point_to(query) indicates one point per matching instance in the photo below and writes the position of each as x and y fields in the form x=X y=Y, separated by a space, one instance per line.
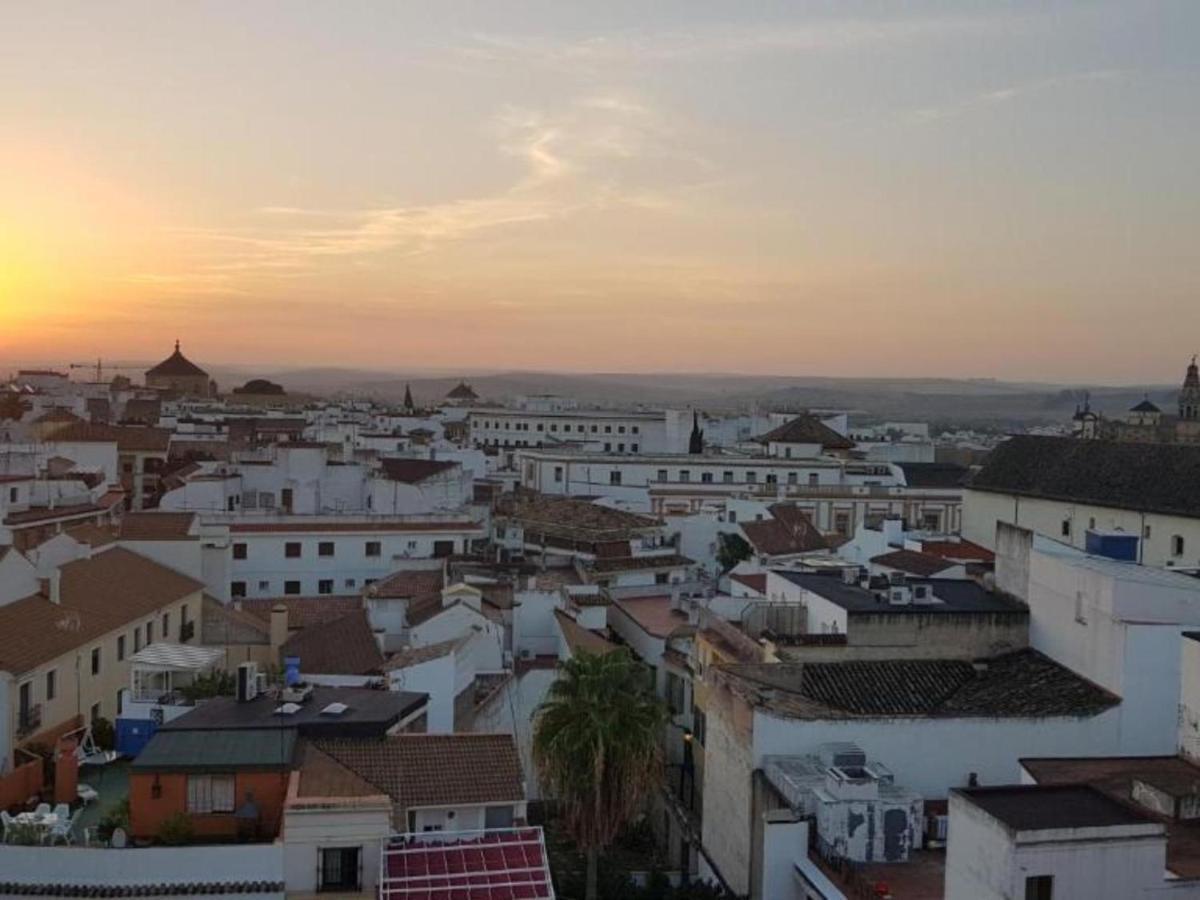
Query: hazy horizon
x=817 y=190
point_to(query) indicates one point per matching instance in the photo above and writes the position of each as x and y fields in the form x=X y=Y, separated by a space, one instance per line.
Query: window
x=813 y=479
x=633 y=448
x=608 y=448
x=1039 y=887
x=614 y=477
x=675 y=694
x=120 y=648
x=325 y=548
x=349 y=582
x=841 y=523
x=772 y=478
x=793 y=478
x=608 y=429
x=498 y=817
x=706 y=477
x=685 y=475
x=594 y=429
x=239 y=551
x=95 y=660
x=210 y=794
x=291 y=550
x=325 y=586
x=727 y=477
x=931 y=521
x=237 y=589
x=620 y=429
x=12 y=495
x=137 y=639
x=699 y=724
x=411 y=545
x=662 y=475
x=291 y=587
x=264 y=586
x=149 y=632
x=620 y=448
x=1066 y=528
x=635 y=430
x=51 y=678
x=1177 y=545
x=553 y=427
x=166 y=625
x=751 y=477
x=732 y=515
x=539 y=426
x=1092 y=522
x=558 y=474
x=662 y=577
x=1146 y=532
x=373 y=548
x=339 y=869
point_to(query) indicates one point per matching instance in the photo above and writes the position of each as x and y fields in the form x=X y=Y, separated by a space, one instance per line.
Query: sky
x=878 y=189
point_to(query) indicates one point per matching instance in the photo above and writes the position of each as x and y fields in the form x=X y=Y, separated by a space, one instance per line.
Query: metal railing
x=29 y=720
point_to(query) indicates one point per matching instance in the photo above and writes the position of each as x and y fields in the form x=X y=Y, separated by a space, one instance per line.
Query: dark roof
x=462 y=391
x=177 y=366
x=411 y=471
x=157 y=526
x=1022 y=684
x=214 y=750
x=934 y=474
x=1162 y=478
x=923 y=564
x=639 y=563
x=128 y=438
x=345 y=646
x=418 y=770
x=789 y=531
x=580 y=639
x=806 y=429
x=1040 y=807
x=371 y=713
x=571 y=518
x=1145 y=406
x=956 y=595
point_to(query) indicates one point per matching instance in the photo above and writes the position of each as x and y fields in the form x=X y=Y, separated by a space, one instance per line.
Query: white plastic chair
x=86 y=793
x=63 y=812
x=62 y=830
x=43 y=809
x=8 y=822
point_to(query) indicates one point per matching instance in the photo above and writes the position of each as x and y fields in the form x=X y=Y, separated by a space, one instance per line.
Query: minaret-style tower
x=696 y=441
x=1189 y=395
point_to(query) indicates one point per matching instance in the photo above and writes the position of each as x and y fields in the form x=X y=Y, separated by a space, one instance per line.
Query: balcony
x=29 y=720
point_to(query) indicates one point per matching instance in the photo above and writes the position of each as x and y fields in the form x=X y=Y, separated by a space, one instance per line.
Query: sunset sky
x=796 y=188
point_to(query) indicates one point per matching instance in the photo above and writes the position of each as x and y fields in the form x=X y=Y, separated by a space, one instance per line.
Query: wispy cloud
x=602 y=151
x=1007 y=94
x=727 y=41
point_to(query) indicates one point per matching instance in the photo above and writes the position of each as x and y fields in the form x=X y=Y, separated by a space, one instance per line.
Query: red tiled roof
x=157 y=526
x=46 y=514
x=807 y=429
x=924 y=564
x=505 y=864
x=967 y=551
x=345 y=646
x=581 y=639
x=653 y=614
x=409 y=583
x=130 y=438
x=319 y=527
x=754 y=582
x=304 y=611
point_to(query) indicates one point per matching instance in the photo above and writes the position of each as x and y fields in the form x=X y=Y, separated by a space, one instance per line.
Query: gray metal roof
x=216 y=750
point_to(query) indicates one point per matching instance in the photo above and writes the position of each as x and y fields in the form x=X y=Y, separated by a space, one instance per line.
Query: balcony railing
x=30 y=720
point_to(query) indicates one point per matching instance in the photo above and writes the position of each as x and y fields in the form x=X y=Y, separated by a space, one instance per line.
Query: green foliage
x=24 y=835
x=176 y=830
x=596 y=745
x=117 y=816
x=213 y=684
x=104 y=734
x=732 y=550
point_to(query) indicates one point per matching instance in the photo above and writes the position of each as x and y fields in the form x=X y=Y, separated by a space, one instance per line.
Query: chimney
x=53 y=587
x=279 y=626
x=381 y=639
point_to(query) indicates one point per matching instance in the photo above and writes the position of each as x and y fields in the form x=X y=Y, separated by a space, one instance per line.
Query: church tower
x=696 y=439
x=1189 y=395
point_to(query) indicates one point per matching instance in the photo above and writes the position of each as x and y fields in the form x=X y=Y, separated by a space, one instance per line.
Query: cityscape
x=553 y=452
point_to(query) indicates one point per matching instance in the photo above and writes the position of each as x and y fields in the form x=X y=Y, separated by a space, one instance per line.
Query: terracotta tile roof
x=129 y=438
x=226 y=624
x=157 y=526
x=177 y=366
x=790 y=531
x=418 y=655
x=93 y=535
x=806 y=429
x=965 y=551
x=912 y=562
x=418 y=770
x=1022 y=684
x=754 y=582
x=46 y=514
x=323 y=776
x=345 y=646
x=304 y=612
x=100 y=594
x=409 y=583
x=412 y=471
x=572 y=518
x=653 y=614
x=580 y=639
x=640 y=563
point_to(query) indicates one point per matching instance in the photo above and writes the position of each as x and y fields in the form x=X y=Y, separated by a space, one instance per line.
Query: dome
x=177 y=366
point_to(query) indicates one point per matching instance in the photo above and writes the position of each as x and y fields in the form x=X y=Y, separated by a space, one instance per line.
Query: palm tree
x=596 y=745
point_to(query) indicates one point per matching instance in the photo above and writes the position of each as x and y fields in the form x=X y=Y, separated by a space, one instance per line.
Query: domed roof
x=177 y=366
x=462 y=392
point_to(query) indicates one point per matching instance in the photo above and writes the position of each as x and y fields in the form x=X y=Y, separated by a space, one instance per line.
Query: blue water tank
x=291 y=670
x=1119 y=545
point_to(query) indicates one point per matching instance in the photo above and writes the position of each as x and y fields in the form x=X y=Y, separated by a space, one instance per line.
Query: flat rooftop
x=953 y=595
x=1115 y=776
x=368 y=712
x=1035 y=807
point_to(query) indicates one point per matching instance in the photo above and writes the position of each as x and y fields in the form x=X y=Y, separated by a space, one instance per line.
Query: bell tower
x=1189 y=395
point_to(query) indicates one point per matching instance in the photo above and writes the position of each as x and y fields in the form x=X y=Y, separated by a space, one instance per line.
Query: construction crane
x=101 y=367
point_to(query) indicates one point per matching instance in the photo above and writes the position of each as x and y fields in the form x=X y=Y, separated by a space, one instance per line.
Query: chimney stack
x=279 y=626
x=54 y=587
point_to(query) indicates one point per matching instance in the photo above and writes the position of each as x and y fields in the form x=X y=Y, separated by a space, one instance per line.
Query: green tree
x=732 y=550
x=596 y=746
